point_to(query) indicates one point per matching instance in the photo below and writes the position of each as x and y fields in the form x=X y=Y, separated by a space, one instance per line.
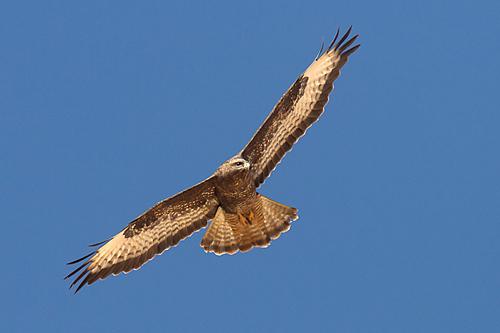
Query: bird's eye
x=238 y=163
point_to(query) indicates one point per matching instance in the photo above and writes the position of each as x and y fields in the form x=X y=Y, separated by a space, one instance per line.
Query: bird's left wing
x=158 y=229
x=298 y=109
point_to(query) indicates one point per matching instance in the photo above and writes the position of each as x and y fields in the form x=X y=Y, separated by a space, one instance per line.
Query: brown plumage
x=241 y=217
x=264 y=221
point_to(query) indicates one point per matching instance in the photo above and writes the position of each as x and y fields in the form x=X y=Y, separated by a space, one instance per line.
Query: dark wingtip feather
x=85 y=271
x=348 y=43
x=80 y=286
x=78 y=278
x=351 y=50
x=81 y=259
x=334 y=39
x=76 y=270
x=344 y=37
x=100 y=243
x=320 y=50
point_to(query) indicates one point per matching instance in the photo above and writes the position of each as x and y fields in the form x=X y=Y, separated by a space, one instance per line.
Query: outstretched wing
x=297 y=110
x=158 y=229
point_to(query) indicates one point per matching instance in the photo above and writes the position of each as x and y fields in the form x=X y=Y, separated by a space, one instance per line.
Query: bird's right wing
x=158 y=229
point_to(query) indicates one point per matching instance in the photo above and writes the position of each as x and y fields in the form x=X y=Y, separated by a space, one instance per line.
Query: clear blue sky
x=108 y=107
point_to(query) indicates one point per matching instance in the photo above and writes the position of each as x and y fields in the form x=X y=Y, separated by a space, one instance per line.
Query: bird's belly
x=236 y=200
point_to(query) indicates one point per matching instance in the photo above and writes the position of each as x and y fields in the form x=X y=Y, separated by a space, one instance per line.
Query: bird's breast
x=235 y=192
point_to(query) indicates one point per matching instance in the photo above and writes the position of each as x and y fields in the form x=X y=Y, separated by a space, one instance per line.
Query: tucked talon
x=242 y=219
x=251 y=217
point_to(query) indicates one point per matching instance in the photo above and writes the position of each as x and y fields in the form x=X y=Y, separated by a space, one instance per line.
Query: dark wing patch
x=255 y=152
x=287 y=102
x=158 y=229
x=297 y=110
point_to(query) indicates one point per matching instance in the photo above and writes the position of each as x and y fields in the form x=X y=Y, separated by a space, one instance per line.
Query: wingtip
x=320 y=50
x=80 y=259
x=351 y=50
x=100 y=243
x=344 y=37
x=340 y=44
x=334 y=39
x=79 y=287
x=348 y=43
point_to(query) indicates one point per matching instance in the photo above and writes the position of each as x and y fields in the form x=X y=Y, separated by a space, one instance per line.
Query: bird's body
x=240 y=217
x=244 y=218
x=234 y=185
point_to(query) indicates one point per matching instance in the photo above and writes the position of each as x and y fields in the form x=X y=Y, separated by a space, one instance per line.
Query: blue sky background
x=107 y=107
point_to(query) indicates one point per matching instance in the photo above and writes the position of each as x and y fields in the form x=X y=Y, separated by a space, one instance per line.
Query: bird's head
x=233 y=166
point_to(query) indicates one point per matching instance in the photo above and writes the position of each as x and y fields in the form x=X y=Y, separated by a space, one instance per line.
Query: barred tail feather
x=277 y=217
x=230 y=232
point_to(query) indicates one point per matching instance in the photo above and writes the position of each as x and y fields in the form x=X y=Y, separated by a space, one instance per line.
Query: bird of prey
x=241 y=218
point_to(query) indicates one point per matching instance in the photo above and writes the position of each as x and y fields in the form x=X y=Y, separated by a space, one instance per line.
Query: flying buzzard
x=241 y=217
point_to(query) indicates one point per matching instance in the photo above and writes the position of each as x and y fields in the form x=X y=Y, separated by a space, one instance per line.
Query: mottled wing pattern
x=158 y=229
x=297 y=110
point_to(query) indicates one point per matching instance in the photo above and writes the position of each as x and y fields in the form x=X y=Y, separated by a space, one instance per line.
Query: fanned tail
x=233 y=232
